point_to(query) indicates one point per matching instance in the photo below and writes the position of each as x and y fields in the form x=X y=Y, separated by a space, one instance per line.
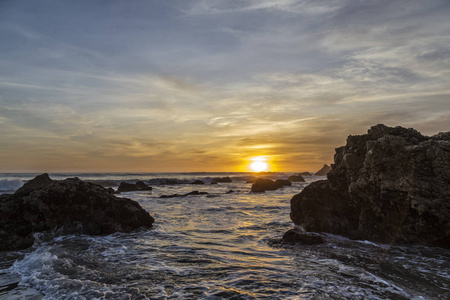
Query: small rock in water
x=294 y=236
x=296 y=178
x=130 y=187
x=261 y=185
x=197 y=182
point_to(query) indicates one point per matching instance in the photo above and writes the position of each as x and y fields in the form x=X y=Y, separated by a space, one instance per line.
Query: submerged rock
x=389 y=185
x=198 y=181
x=324 y=171
x=294 y=236
x=296 y=178
x=130 y=187
x=72 y=204
x=193 y=193
x=222 y=179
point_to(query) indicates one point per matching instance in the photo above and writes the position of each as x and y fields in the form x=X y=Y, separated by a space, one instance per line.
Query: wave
x=8 y=185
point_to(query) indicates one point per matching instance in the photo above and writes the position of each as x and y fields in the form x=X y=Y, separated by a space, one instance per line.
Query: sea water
x=221 y=245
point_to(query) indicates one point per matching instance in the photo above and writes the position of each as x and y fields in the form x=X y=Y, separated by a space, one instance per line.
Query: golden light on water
x=259 y=164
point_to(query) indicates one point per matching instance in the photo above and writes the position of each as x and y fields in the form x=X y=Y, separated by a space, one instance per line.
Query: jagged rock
x=324 y=171
x=261 y=185
x=305 y=174
x=130 y=187
x=222 y=179
x=389 y=185
x=72 y=204
x=36 y=183
x=197 y=182
x=294 y=236
x=296 y=178
x=193 y=193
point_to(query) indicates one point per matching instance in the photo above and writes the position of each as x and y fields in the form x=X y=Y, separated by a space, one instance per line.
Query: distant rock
x=324 y=171
x=193 y=193
x=197 y=182
x=305 y=174
x=261 y=185
x=222 y=179
x=389 y=185
x=130 y=187
x=283 y=182
x=72 y=205
x=296 y=178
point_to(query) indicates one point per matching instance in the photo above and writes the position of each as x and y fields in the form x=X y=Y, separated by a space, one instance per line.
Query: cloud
x=205 y=84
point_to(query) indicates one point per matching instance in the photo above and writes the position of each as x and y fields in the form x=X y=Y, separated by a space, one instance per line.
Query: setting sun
x=259 y=164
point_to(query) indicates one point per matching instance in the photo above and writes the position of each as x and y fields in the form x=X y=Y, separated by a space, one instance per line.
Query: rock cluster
x=389 y=185
x=43 y=204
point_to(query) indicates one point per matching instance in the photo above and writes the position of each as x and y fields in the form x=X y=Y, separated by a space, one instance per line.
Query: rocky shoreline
x=391 y=185
x=70 y=205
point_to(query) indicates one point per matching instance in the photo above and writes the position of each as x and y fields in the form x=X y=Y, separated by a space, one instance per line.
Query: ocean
x=220 y=245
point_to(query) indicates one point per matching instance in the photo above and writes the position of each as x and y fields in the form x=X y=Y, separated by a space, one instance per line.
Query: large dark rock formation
x=390 y=185
x=77 y=206
x=324 y=171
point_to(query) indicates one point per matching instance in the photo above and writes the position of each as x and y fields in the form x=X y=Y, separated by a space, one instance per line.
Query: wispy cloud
x=201 y=85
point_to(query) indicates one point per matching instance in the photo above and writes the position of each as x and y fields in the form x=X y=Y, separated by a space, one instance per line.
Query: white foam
x=7 y=185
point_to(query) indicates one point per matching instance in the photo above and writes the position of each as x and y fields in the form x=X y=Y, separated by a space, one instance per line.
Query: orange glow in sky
x=259 y=164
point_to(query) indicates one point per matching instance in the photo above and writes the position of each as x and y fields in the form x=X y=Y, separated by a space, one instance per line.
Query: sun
x=259 y=164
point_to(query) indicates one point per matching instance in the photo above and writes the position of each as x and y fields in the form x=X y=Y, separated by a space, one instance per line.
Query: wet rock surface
x=72 y=204
x=389 y=185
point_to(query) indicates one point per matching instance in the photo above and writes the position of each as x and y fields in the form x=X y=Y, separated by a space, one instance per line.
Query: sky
x=208 y=85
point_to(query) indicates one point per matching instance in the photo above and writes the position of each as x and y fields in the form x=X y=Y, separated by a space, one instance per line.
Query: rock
x=389 y=185
x=296 y=178
x=222 y=179
x=112 y=191
x=71 y=204
x=324 y=171
x=193 y=193
x=230 y=192
x=141 y=186
x=130 y=187
x=283 y=182
x=261 y=185
x=305 y=174
x=36 y=183
x=197 y=182
x=169 y=181
x=294 y=236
